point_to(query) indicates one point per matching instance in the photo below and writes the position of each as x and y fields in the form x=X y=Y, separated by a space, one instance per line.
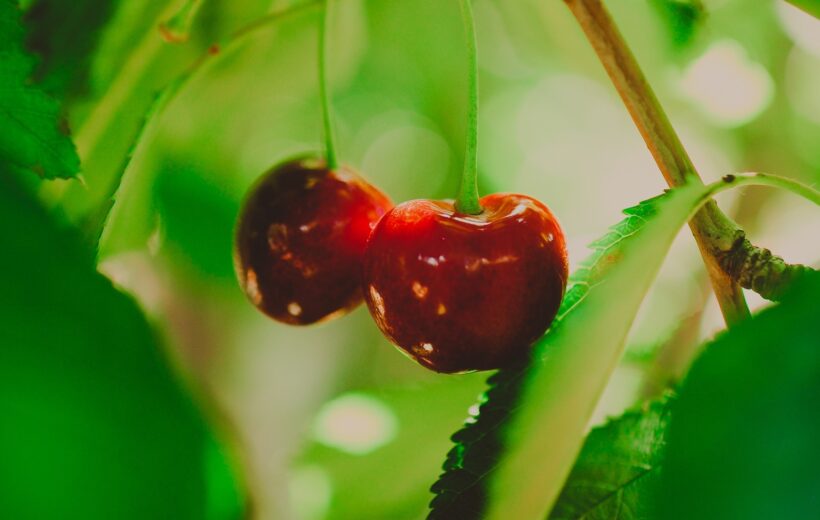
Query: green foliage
x=114 y=227
x=95 y=425
x=93 y=422
x=743 y=437
x=32 y=135
x=682 y=18
x=618 y=467
x=65 y=35
x=133 y=64
x=526 y=415
x=202 y=229
x=570 y=344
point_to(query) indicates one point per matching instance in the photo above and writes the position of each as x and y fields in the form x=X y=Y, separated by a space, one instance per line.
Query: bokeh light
x=729 y=87
x=355 y=423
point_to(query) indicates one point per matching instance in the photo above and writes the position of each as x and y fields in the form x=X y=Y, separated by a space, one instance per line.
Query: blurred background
x=331 y=421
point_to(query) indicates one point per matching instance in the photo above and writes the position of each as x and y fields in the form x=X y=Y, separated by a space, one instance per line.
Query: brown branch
x=713 y=231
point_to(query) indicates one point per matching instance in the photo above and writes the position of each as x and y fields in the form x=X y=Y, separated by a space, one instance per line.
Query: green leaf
x=114 y=223
x=573 y=359
x=810 y=6
x=114 y=137
x=743 y=439
x=65 y=35
x=618 y=468
x=539 y=412
x=681 y=17
x=95 y=425
x=31 y=126
x=132 y=64
x=197 y=219
x=121 y=224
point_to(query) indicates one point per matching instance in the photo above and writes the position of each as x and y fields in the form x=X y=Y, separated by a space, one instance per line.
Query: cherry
x=460 y=292
x=300 y=239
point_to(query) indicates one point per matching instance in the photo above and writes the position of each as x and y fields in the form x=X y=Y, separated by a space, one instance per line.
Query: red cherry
x=465 y=292
x=300 y=239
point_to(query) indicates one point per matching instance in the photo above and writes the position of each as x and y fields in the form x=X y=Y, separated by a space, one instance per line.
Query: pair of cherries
x=456 y=292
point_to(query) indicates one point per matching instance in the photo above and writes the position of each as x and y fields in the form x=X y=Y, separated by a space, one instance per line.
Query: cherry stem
x=330 y=138
x=467 y=199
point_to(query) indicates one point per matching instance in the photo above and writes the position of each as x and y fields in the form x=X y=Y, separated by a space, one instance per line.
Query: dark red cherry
x=300 y=239
x=465 y=292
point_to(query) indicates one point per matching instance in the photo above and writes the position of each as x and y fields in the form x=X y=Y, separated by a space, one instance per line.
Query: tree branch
x=729 y=258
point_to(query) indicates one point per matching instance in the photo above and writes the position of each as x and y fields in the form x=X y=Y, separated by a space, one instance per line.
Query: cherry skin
x=300 y=238
x=460 y=292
